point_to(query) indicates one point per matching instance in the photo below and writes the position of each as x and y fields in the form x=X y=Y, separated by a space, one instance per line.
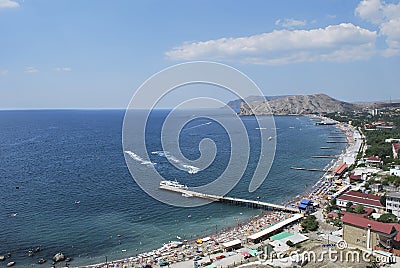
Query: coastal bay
x=57 y=158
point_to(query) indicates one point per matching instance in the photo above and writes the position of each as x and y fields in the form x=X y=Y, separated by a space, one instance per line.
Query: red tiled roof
x=341 y=169
x=396 y=146
x=397 y=237
x=361 y=198
x=332 y=215
x=360 y=221
x=374 y=159
x=355 y=177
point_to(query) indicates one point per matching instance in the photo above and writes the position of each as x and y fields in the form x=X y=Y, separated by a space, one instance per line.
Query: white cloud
x=8 y=4
x=63 y=69
x=387 y=17
x=31 y=70
x=290 y=23
x=3 y=72
x=343 y=42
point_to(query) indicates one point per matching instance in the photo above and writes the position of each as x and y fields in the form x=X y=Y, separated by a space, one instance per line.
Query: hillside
x=236 y=104
x=296 y=104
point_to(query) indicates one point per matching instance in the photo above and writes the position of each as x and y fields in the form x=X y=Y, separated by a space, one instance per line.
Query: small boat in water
x=187 y=195
x=326 y=123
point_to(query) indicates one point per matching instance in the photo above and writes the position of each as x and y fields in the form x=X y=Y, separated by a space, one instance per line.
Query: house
x=368 y=234
x=332 y=215
x=340 y=170
x=393 y=203
x=395 y=149
x=395 y=171
x=376 y=187
x=365 y=172
x=392 y=140
x=232 y=245
x=306 y=205
x=373 y=161
x=357 y=198
x=354 y=178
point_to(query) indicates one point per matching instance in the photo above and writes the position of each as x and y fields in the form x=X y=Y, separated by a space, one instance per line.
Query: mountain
x=296 y=104
x=236 y=104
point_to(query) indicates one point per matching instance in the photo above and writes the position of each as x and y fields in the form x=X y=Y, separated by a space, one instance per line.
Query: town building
x=393 y=203
x=369 y=234
x=376 y=187
x=395 y=171
x=392 y=140
x=340 y=170
x=373 y=161
x=395 y=149
x=357 y=198
x=306 y=205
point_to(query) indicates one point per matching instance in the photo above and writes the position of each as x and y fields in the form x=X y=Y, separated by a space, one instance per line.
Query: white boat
x=187 y=195
x=174 y=184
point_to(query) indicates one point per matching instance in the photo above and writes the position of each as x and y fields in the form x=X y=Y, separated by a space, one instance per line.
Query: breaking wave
x=200 y=125
x=188 y=168
x=139 y=159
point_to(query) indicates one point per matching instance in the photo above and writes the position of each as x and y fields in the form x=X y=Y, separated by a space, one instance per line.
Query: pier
x=324 y=156
x=311 y=169
x=230 y=200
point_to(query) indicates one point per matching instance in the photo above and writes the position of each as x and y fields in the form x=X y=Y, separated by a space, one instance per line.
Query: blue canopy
x=306 y=202
x=302 y=206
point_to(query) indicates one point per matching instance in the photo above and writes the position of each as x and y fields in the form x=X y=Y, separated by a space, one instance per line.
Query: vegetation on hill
x=391 y=180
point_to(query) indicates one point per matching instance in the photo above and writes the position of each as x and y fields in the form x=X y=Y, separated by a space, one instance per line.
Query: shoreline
x=265 y=217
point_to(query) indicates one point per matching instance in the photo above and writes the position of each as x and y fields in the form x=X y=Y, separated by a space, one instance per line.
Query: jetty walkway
x=230 y=200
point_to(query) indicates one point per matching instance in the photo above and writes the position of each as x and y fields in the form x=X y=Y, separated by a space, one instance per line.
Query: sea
x=65 y=185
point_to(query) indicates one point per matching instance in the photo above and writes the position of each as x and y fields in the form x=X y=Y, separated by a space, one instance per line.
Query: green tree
x=359 y=209
x=388 y=218
x=348 y=207
x=310 y=223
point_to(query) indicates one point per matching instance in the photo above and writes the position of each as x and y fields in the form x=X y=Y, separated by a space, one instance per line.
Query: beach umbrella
x=245 y=254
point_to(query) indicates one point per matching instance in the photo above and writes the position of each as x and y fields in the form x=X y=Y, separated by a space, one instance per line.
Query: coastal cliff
x=296 y=104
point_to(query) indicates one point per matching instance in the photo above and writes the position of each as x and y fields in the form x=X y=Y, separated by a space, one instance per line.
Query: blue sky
x=94 y=54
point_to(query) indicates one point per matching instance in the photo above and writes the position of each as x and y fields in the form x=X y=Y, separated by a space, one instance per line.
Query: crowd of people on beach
x=183 y=250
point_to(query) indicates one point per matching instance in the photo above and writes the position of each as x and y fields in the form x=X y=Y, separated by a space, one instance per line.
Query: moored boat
x=174 y=184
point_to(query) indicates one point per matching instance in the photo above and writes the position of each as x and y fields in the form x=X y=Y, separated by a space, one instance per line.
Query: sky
x=95 y=54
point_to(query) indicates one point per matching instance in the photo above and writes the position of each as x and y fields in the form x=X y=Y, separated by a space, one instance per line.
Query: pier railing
x=231 y=200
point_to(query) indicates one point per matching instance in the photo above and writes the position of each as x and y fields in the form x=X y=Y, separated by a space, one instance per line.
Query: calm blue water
x=59 y=157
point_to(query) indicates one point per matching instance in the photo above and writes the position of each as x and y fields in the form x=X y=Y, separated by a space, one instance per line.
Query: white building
x=395 y=171
x=392 y=140
x=393 y=203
